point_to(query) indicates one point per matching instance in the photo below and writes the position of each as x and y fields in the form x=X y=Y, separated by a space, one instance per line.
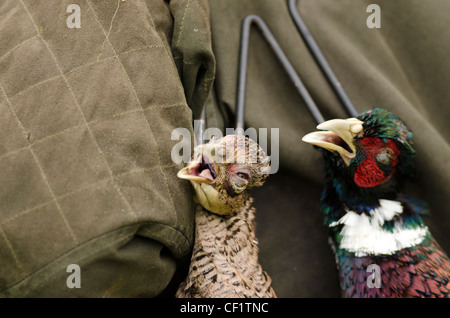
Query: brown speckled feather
x=224 y=261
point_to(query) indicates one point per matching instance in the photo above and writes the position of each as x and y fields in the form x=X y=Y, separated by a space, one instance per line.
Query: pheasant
x=375 y=231
x=224 y=261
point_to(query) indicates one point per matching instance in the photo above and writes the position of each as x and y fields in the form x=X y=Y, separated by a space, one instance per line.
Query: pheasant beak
x=337 y=135
x=201 y=170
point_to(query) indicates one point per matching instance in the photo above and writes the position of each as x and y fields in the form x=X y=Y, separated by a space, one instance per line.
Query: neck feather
x=383 y=230
x=225 y=257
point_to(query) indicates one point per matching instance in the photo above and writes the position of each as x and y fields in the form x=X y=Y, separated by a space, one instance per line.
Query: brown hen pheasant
x=224 y=261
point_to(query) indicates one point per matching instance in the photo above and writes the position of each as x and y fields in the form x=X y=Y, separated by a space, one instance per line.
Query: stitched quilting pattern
x=85 y=122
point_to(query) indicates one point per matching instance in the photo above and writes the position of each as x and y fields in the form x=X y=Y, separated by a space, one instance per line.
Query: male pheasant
x=374 y=229
x=224 y=262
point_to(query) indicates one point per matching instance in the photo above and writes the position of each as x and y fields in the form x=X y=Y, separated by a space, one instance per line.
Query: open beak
x=337 y=135
x=203 y=170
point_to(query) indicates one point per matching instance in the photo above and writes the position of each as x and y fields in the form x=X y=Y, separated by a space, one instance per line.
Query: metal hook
x=320 y=58
x=201 y=127
x=243 y=61
x=248 y=21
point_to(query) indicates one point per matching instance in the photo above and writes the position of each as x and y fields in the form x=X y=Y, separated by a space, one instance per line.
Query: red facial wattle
x=368 y=174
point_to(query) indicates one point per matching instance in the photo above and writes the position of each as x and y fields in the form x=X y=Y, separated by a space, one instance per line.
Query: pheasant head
x=224 y=170
x=367 y=157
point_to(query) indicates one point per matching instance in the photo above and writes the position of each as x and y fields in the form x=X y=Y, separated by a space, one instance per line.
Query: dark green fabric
x=402 y=67
x=192 y=51
x=85 y=149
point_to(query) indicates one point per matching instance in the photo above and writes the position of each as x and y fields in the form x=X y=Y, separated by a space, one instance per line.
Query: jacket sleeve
x=85 y=144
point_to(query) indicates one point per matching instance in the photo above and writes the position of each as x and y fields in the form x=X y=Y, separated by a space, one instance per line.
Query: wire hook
x=243 y=59
x=287 y=66
x=320 y=58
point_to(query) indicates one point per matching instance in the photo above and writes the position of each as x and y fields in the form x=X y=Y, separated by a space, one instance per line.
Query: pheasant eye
x=384 y=156
x=243 y=175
